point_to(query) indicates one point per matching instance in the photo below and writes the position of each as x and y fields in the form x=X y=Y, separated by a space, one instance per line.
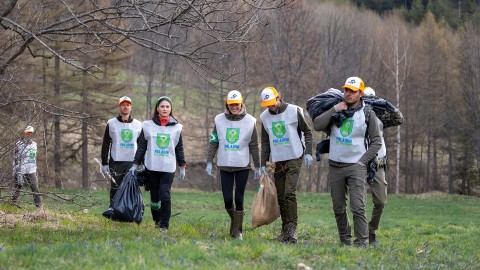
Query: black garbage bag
x=128 y=203
x=371 y=171
x=323 y=147
x=384 y=110
x=323 y=102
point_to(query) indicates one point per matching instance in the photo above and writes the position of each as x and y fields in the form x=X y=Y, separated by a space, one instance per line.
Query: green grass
x=433 y=231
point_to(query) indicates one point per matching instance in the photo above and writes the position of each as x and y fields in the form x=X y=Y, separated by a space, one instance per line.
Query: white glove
x=264 y=170
x=105 y=169
x=208 y=169
x=181 y=176
x=133 y=169
x=256 y=174
x=308 y=160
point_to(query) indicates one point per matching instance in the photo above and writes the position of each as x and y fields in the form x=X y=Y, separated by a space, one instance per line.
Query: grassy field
x=430 y=231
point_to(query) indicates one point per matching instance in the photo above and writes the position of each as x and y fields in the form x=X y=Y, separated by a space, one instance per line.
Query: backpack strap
x=367 y=109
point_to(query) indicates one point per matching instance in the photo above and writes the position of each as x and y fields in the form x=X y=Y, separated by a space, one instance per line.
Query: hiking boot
x=345 y=243
x=108 y=213
x=291 y=233
x=283 y=234
x=230 y=214
x=237 y=224
x=361 y=245
x=372 y=238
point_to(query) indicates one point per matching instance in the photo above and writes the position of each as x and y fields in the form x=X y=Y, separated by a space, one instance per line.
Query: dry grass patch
x=42 y=216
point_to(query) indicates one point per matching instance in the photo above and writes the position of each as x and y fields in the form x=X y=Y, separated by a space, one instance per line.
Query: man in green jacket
x=349 y=154
x=287 y=138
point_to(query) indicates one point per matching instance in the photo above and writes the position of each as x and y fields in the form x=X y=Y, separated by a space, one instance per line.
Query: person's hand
x=256 y=174
x=141 y=168
x=181 y=176
x=341 y=106
x=105 y=169
x=264 y=170
x=208 y=169
x=133 y=169
x=308 y=160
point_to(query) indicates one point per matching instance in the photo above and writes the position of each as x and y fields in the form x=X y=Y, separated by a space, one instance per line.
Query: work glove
x=141 y=168
x=133 y=169
x=208 y=169
x=264 y=170
x=256 y=174
x=181 y=176
x=308 y=160
x=105 y=169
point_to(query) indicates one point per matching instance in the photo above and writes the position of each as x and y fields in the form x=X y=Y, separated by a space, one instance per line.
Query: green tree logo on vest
x=32 y=155
x=163 y=140
x=347 y=127
x=278 y=128
x=127 y=135
x=232 y=135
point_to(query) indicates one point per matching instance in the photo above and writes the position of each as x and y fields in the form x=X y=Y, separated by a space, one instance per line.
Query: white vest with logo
x=26 y=157
x=347 y=143
x=383 y=150
x=285 y=143
x=233 y=140
x=124 y=139
x=161 y=143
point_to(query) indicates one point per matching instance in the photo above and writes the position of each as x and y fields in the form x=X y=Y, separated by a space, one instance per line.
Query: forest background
x=65 y=64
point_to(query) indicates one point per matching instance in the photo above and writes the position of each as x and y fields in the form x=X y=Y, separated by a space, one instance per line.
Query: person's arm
x=107 y=142
x=141 y=149
x=397 y=117
x=307 y=132
x=179 y=154
x=375 y=139
x=212 y=145
x=323 y=121
x=253 y=147
x=265 y=147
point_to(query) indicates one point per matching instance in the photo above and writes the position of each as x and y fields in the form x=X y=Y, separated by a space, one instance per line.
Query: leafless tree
x=394 y=54
x=191 y=27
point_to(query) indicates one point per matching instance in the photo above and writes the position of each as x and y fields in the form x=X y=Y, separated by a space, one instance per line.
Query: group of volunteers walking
x=155 y=148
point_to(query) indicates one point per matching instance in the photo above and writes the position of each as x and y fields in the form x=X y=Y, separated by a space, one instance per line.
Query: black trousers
x=160 y=199
x=229 y=180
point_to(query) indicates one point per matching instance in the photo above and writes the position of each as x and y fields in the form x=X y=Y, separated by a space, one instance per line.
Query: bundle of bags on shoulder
x=325 y=101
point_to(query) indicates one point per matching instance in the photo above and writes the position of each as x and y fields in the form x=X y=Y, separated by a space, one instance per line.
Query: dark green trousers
x=286 y=181
x=349 y=180
x=379 y=197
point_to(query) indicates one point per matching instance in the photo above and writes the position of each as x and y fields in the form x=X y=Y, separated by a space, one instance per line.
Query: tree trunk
x=85 y=183
x=56 y=129
x=451 y=189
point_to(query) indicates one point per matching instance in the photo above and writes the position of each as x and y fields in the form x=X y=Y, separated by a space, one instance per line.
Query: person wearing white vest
x=283 y=130
x=160 y=145
x=25 y=166
x=378 y=185
x=119 y=146
x=234 y=139
x=349 y=154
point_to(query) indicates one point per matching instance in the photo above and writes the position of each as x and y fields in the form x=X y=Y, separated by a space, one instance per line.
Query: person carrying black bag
x=160 y=145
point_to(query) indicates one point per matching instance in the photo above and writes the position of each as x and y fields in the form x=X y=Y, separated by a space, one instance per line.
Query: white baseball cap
x=124 y=99
x=369 y=91
x=234 y=97
x=354 y=84
x=269 y=96
x=28 y=129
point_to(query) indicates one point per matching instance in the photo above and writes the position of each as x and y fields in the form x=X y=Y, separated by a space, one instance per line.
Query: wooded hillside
x=64 y=64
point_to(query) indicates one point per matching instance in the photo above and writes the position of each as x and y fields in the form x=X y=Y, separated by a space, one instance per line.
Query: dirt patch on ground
x=43 y=216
